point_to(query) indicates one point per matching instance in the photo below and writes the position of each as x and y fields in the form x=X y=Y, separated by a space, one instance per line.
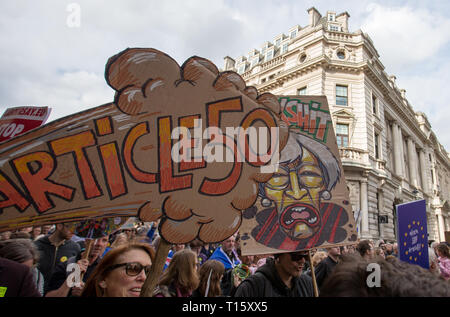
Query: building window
x=293 y=34
x=302 y=58
x=241 y=69
x=374 y=104
x=331 y=17
x=254 y=62
x=340 y=54
x=377 y=145
x=263 y=80
x=278 y=42
x=301 y=91
x=341 y=95
x=342 y=135
x=334 y=28
x=269 y=55
x=285 y=47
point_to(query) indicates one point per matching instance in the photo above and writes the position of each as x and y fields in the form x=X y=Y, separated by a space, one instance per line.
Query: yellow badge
x=63 y=259
x=3 y=291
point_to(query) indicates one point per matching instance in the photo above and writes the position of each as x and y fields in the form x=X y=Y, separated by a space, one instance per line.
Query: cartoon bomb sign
x=305 y=204
x=122 y=159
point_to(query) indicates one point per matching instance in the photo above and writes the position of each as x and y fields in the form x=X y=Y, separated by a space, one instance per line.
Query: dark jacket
x=16 y=280
x=266 y=282
x=50 y=256
x=60 y=273
x=323 y=270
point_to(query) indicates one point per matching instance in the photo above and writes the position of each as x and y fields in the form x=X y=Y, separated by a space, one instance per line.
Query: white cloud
x=404 y=36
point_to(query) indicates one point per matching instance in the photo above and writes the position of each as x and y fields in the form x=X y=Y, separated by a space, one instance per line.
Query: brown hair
x=182 y=271
x=363 y=246
x=397 y=279
x=18 y=250
x=216 y=269
x=92 y=288
x=443 y=250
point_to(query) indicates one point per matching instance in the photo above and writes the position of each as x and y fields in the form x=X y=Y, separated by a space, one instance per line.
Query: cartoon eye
x=278 y=182
x=310 y=178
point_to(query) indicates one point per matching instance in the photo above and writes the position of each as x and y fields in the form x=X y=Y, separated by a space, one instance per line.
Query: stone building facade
x=389 y=152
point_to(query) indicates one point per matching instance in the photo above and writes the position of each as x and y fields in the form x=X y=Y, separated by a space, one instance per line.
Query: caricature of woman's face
x=296 y=189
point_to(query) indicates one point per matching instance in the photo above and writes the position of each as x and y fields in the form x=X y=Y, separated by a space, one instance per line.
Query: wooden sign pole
x=156 y=269
x=85 y=255
x=313 y=275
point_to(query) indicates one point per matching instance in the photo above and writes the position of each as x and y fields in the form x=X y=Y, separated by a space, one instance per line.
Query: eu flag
x=412 y=233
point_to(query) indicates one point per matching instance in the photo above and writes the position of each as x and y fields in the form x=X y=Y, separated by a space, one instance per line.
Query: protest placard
x=305 y=204
x=413 y=233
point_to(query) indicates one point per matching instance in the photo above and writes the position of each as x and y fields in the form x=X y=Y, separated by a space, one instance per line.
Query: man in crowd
x=62 y=282
x=327 y=265
x=279 y=277
x=56 y=248
x=227 y=253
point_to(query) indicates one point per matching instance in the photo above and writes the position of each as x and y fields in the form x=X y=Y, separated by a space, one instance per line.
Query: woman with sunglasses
x=279 y=277
x=121 y=273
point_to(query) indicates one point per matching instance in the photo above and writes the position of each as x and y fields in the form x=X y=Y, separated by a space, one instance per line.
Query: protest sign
x=305 y=204
x=18 y=120
x=413 y=233
x=135 y=156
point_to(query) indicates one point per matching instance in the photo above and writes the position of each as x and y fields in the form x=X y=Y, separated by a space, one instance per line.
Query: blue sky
x=43 y=61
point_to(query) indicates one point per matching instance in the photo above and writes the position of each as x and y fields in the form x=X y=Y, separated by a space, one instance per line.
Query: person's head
x=121 y=273
x=46 y=229
x=211 y=271
x=318 y=257
x=307 y=173
x=245 y=259
x=196 y=246
x=397 y=279
x=178 y=247
x=20 y=235
x=388 y=247
x=229 y=244
x=433 y=246
x=19 y=250
x=380 y=252
x=65 y=231
x=365 y=249
x=290 y=264
x=334 y=252
x=36 y=231
x=395 y=247
x=442 y=250
x=98 y=247
x=182 y=271
x=26 y=229
x=5 y=235
x=120 y=239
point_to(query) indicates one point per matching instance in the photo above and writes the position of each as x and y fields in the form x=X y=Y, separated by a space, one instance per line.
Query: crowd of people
x=50 y=261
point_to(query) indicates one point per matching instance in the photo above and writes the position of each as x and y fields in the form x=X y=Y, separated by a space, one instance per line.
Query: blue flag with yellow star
x=413 y=233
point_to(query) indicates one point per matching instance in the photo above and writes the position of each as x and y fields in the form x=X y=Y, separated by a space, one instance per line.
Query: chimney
x=229 y=63
x=314 y=16
x=343 y=19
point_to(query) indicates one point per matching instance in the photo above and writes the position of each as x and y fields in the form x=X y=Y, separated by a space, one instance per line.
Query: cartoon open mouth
x=300 y=220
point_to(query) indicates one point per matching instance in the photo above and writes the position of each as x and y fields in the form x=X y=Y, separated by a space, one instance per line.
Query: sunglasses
x=132 y=268
x=298 y=256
